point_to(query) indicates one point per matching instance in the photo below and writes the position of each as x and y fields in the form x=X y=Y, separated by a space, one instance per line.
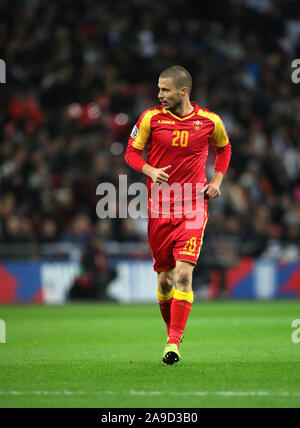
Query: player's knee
x=166 y=284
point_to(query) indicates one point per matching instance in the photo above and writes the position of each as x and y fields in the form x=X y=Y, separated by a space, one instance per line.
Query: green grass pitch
x=235 y=354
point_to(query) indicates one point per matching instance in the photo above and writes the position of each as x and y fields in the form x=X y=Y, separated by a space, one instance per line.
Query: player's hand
x=159 y=175
x=211 y=191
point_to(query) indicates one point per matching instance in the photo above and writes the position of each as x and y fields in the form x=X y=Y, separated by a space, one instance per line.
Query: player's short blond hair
x=180 y=76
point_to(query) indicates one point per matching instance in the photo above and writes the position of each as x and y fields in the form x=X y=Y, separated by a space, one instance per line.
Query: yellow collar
x=178 y=117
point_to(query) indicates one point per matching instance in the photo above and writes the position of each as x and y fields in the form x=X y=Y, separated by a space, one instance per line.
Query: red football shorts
x=174 y=239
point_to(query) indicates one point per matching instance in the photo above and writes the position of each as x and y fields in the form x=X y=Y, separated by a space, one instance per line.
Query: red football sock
x=180 y=310
x=165 y=303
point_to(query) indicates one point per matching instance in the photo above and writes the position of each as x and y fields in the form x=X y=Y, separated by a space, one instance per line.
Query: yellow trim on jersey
x=219 y=136
x=177 y=117
x=182 y=295
x=204 y=226
x=144 y=129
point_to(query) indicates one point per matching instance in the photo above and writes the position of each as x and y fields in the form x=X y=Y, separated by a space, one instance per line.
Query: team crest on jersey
x=134 y=132
x=197 y=125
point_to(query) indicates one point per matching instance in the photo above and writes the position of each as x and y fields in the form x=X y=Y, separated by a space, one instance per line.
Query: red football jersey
x=179 y=141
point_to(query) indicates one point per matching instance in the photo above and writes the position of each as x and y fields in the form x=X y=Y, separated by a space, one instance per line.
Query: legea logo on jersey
x=2 y=331
x=166 y=122
x=296 y=73
x=2 y=71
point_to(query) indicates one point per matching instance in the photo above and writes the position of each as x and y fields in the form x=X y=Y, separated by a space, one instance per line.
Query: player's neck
x=184 y=109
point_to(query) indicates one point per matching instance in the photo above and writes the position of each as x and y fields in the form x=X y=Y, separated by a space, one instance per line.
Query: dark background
x=80 y=73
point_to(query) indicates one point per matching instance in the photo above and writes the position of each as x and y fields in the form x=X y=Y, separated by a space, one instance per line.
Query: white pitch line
x=42 y=393
x=221 y=393
x=151 y=393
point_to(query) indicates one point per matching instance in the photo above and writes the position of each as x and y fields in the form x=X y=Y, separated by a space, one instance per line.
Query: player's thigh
x=161 y=243
x=184 y=275
x=166 y=281
x=187 y=247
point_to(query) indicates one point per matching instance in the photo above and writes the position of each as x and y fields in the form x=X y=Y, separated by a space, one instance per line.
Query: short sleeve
x=219 y=137
x=141 y=132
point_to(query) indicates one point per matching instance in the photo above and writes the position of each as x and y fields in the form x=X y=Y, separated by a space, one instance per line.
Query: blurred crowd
x=80 y=73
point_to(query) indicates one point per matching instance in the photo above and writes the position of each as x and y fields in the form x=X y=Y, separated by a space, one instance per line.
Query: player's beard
x=174 y=106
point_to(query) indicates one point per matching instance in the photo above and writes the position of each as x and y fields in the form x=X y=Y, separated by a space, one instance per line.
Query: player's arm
x=222 y=147
x=136 y=145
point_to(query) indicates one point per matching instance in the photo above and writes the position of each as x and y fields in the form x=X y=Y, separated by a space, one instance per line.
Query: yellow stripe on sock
x=168 y=296
x=182 y=295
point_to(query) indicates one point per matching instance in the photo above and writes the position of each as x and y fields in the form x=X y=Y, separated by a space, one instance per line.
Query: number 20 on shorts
x=191 y=243
x=180 y=138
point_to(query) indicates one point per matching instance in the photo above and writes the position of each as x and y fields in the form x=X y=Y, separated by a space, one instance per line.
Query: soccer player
x=177 y=134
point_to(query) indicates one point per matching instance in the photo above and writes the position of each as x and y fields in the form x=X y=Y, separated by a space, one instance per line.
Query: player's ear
x=184 y=91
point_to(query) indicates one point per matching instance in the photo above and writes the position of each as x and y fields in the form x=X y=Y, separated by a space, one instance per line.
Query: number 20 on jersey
x=180 y=138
